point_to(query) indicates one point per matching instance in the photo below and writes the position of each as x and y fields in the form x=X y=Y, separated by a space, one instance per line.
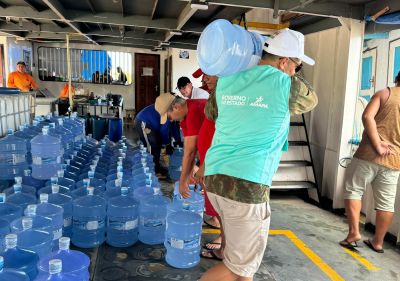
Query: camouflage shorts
x=237 y=189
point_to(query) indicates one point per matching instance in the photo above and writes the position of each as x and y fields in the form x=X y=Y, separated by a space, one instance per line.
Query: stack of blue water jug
x=74 y=189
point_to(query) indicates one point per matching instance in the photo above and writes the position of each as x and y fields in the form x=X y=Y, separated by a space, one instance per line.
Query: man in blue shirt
x=154 y=135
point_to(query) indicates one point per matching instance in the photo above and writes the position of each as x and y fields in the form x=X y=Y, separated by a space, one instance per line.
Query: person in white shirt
x=186 y=88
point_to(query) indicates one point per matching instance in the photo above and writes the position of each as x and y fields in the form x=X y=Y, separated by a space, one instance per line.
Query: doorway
x=147 y=80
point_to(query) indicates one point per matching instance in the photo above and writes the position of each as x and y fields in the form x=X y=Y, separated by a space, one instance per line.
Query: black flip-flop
x=213 y=243
x=349 y=245
x=210 y=225
x=212 y=256
x=369 y=244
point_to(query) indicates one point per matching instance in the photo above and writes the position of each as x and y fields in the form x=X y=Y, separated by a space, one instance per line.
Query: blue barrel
x=182 y=239
x=115 y=129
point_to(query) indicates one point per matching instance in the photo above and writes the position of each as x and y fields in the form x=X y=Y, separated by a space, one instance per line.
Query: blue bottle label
x=124 y=226
x=88 y=225
x=183 y=244
x=151 y=222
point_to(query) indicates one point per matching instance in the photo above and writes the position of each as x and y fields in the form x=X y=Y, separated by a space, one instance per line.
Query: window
x=91 y=66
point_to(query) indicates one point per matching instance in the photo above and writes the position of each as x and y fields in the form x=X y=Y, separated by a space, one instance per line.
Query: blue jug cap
x=148 y=175
x=52 y=125
x=21 y=127
x=156 y=190
x=17 y=188
x=86 y=182
x=45 y=130
x=54 y=180
x=11 y=241
x=35 y=123
x=10 y=131
x=27 y=173
x=185 y=205
x=1 y=262
x=60 y=121
x=120 y=175
x=44 y=198
x=30 y=210
x=2 y=198
x=64 y=243
x=148 y=182
x=60 y=173
x=27 y=223
x=68 y=161
x=124 y=190
x=118 y=182
x=55 y=188
x=90 y=190
x=18 y=180
x=91 y=174
x=55 y=266
x=92 y=168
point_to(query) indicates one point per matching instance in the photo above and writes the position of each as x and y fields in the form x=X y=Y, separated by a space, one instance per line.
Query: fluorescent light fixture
x=199 y=5
x=175 y=32
x=166 y=43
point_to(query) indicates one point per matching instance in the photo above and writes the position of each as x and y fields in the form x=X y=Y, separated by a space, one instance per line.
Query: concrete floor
x=302 y=245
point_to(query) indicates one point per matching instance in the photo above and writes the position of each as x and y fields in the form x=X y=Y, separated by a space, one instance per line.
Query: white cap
x=288 y=43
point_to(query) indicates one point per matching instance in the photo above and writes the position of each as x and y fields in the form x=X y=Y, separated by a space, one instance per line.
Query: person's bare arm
x=189 y=155
x=378 y=100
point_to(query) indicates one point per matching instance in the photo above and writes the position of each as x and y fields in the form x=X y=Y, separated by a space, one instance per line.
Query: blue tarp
x=393 y=18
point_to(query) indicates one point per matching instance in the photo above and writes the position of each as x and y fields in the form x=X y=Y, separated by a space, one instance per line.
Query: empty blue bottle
x=195 y=203
x=33 y=240
x=4 y=230
x=152 y=223
x=142 y=192
x=21 y=199
x=75 y=263
x=9 y=211
x=21 y=134
x=46 y=155
x=18 y=187
x=140 y=179
x=61 y=181
x=27 y=179
x=182 y=239
x=55 y=272
x=19 y=259
x=8 y=274
x=67 y=137
x=56 y=213
x=70 y=171
x=89 y=214
x=38 y=223
x=122 y=214
x=64 y=201
x=12 y=156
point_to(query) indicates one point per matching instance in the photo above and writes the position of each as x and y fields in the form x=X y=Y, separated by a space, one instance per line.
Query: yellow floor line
x=362 y=260
x=333 y=275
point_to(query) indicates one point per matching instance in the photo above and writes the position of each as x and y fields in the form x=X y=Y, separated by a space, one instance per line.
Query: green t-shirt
x=252 y=125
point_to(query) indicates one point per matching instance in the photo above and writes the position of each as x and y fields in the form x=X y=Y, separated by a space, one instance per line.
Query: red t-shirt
x=204 y=140
x=194 y=118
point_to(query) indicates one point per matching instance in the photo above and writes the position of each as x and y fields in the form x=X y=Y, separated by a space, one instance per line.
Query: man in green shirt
x=251 y=133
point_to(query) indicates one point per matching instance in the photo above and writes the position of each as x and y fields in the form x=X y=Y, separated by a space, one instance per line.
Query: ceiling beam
x=126 y=41
x=128 y=34
x=323 y=24
x=32 y=5
x=127 y=45
x=182 y=46
x=28 y=26
x=59 y=10
x=183 y=18
x=328 y=9
x=153 y=12
x=90 y=4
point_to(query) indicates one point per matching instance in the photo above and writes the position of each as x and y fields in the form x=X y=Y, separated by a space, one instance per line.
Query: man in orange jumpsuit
x=21 y=79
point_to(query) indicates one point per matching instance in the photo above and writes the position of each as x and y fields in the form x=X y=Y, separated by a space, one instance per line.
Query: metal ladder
x=296 y=169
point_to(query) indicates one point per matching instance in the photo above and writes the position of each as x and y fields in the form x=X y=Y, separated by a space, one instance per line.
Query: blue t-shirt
x=252 y=125
x=151 y=117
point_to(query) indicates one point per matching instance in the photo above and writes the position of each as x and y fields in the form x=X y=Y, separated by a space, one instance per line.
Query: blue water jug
x=46 y=155
x=115 y=129
x=55 y=272
x=224 y=49
x=8 y=274
x=152 y=223
x=67 y=137
x=75 y=263
x=70 y=171
x=36 y=223
x=4 y=230
x=82 y=191
x=23 y=135
x=144 y=191
x=9 y=211
x=140 y=179
x=20 y=188
x=21 y=199
x=12 y=156
x=56 y=213
x=195 y=202
x=61 y=181
x=33 y=240
x=27 y=179
x=89 y=214
x=64 y=201
x=175 y=164
x=123 y=216
x=117 y=183
x=19 y=259
x=91 y=181
x=182 y=239
x=49 y=189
